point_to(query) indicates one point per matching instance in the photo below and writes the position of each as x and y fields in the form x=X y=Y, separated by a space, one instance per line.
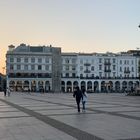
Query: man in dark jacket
x=78 y=96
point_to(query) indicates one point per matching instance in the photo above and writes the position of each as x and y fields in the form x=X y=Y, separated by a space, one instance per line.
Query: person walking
x=4 y=91
x=84 y=98
x=78 y=96
x=8 y=91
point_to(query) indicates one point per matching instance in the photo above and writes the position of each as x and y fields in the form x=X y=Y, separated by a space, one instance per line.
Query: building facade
x=47 y=69
x=2 y=82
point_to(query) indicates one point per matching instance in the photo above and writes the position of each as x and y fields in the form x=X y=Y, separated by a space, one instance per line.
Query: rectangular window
x=100 y=60
x=18 y=67
x=18 y=59
x=26 y=60
x=73 y=60
x=120 y=61
x=81 y=68
x=132 y=69
x=39 y=60
x=32 y=60
x=67 y=74
x=47 y=67
x=32 y=67
x=47 y=60
x=39 y=67
x=100 y=74
x=73 y=68
x=114 y=60
x=66 y=67
x=73 y=75
x=67 y=61
x=11 y=67
x=100 y=67
x=114 y=67
x=25 y=67
x=81 y=61
x=92 y=68
x=11 y=59
x=114 y=74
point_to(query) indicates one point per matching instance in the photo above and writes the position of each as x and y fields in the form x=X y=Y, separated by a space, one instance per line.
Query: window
x=32 y=60
x=132 y=62
x=132 y=69
x=11 y=67
x=67 y=68
x=100 y=74
x=114 y=60
x=39 y=67
x=81 y=75
x=81 y=68
x=92 y=68
x=73 y=75
x=100 y=60
x=39 y=60
x=67 y=61
x=114 y=67
x=47 y=67
x=67 y=74
x=47 y=60
x=11 y=59
x=73 y=60
x=81 y=61
x=25 y=67
x=18 y=67
x=100 y=67
x=26 y=60
x=114 y=74
x=120 y=69
x=32 y=67
x=73 y=68
x=18 y=59
x=120 y=61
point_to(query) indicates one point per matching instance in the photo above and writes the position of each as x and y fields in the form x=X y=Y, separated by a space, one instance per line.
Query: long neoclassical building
x=47 y=69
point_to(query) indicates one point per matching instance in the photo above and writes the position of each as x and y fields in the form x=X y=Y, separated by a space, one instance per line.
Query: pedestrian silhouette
x=78 y=96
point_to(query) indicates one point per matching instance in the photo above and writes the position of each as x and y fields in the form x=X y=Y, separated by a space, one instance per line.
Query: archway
x=69 y=86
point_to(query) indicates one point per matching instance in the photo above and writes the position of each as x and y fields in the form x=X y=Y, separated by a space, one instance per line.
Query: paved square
x=54 y=117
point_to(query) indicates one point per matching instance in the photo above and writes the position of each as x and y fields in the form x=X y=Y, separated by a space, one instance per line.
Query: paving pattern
x=54 y=117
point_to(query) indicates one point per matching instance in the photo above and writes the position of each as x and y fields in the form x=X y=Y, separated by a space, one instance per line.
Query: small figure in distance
x=5 y=91
x=78 y=96
x=8 y=91
x=84 y=98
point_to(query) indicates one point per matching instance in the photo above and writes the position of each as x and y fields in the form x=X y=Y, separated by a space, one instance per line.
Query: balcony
x=107 y=63
x=87 y=64
x=107 y=70
x=87 y=71
x=126 y=71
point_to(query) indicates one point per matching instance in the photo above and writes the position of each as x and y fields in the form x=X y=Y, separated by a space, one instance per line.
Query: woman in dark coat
x=78 y=96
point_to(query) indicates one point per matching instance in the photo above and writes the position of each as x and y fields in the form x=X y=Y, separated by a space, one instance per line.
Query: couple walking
x=78 y=95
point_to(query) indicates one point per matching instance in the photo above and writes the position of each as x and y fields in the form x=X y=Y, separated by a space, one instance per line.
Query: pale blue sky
x=73 y=25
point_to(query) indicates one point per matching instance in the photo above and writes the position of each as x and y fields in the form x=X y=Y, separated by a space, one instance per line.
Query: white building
x=46 y=69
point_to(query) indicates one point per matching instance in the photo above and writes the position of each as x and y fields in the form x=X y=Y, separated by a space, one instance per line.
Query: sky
x=74 y=25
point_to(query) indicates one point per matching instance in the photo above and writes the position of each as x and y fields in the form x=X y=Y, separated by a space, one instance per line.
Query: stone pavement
x=54 y=117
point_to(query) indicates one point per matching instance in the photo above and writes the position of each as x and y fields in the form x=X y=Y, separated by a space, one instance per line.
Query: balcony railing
x=107 y=63
x=107 y=70
x=87 y=64
x=87 y=71
x=126 y=71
